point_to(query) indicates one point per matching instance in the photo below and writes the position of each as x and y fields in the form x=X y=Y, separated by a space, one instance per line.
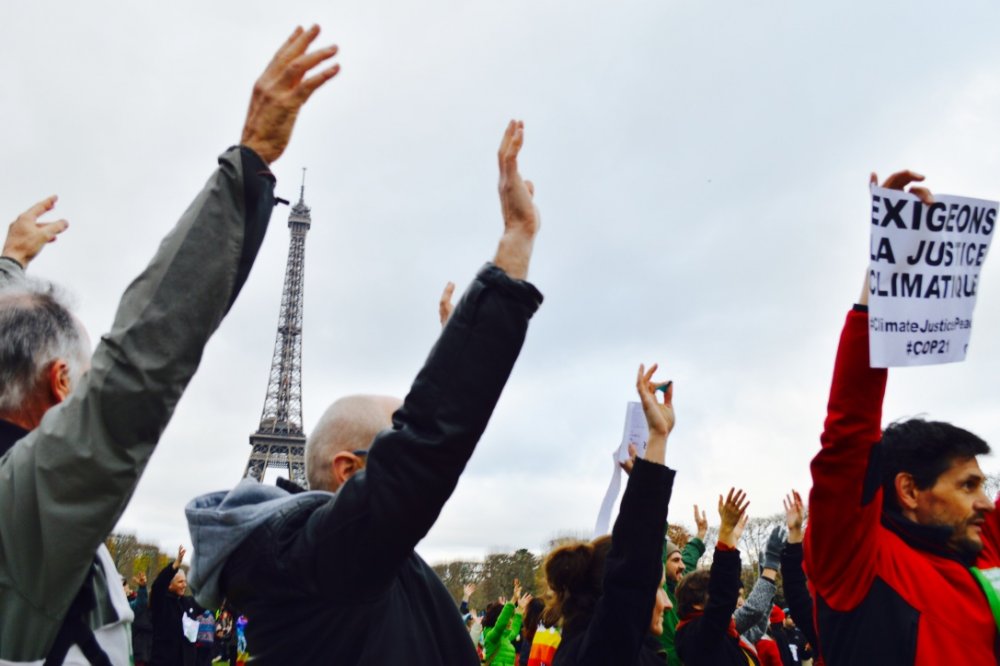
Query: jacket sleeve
x=493 y=635
x=757 y=609
x=64 y=486
x=515 y=627
x=633 y=569
x=141 y=600
x=723 y=588
x=358 y=542
x=800 y=602
x=691 y=553
x=158 y=590
x=10 y=272
x=842 y=509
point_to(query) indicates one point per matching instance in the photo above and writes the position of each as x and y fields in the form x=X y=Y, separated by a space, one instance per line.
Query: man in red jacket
x=896 y=521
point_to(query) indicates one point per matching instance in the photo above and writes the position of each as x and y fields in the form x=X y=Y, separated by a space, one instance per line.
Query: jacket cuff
x=14 y=261
x=520 y=290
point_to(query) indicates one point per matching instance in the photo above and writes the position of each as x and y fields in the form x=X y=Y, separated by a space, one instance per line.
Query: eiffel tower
x=280 y=441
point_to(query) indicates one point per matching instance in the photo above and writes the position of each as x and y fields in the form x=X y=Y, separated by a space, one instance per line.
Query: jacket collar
x=9 y=435
x=928 y=538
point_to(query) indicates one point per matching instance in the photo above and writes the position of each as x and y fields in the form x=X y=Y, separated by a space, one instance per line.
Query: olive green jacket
x=64 y=485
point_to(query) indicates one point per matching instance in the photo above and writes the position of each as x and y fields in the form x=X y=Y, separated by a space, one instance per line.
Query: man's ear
x=345 y=464
x=59 y=381
x=906 y=491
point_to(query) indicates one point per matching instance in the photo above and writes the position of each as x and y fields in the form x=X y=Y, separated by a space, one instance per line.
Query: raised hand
x=522 y=604
x=795 y=515
x=181 y=551
x=898 y=181
x=517 y=591
x=282 y=90
x=701 y=522
x=521 y=219
x=467 y=590
x=733 y=517
x=26 y=236
x=627 y=465
x=445 y=306
x=771 y=558
x=139 y=579
x=659 y=416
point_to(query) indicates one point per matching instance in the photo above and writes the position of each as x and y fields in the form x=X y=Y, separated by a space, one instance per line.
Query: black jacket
x=336 y=581
x=705 y=640
x=170 y=647
x=800 y=602
x=618 y=631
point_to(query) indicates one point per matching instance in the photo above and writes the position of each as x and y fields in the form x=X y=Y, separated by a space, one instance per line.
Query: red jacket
x=887 y=590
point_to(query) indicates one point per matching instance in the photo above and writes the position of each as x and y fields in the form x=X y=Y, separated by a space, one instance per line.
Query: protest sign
x=636 y=433
x=924 y=276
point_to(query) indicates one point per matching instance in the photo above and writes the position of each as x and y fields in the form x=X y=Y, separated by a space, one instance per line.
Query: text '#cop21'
x=972 y=222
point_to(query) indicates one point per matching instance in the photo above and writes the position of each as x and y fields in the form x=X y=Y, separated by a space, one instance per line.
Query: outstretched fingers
x=42 y=207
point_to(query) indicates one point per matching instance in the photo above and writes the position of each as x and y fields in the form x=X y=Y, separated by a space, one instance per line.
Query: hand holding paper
x=926 y=256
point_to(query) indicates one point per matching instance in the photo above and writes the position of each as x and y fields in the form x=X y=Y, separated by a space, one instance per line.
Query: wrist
x=701 y=535
x=514 y=253
x=795 y=536
x=727 y=538
x=769 y=574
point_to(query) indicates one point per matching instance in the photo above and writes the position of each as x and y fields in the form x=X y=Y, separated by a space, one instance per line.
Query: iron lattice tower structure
x=280 y=440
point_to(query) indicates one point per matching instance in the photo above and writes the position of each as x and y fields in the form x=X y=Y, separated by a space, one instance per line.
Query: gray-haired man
x=76 y=432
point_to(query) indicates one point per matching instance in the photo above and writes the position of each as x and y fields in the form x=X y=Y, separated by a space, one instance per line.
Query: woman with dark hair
x=501 y=626
x=532 y=617
x=609 y=592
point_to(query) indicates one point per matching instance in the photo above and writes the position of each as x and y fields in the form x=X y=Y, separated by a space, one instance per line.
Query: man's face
x=675 y=567
x=178 y=584
x=957 y=500
x=740 y=600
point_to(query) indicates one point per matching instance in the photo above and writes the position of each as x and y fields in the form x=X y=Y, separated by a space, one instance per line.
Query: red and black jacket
x=887 y=590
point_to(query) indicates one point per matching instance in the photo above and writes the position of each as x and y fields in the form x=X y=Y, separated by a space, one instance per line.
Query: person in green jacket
x=677 y=562
x=498 y=639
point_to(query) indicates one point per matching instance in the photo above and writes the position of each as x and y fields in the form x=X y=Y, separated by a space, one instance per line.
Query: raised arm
x=800 y=602
x=633 y=572
x=753 y=614
x=74 y=474
x=413 y=468
x=695 y=547
x=846 y=501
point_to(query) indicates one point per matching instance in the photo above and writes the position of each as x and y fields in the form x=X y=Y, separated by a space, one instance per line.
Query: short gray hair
x=349 y=424
x=36 y=328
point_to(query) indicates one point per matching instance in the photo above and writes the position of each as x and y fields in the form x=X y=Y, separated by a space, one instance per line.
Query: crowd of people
x=896 y=564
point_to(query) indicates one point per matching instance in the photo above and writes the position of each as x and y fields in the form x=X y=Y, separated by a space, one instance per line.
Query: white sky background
x=701 y=170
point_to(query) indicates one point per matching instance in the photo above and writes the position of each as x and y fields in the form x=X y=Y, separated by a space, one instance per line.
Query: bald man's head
x=349 y=424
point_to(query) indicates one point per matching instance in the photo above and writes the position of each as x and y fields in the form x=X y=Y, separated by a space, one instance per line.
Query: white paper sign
x=637 y=433
x=924 y=276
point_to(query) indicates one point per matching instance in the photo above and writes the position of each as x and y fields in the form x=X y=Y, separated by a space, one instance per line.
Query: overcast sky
x=701 y=168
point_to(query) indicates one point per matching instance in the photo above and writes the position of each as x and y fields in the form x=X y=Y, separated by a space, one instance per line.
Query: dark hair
x=492 y=613
x=924 y=449
x=531 y=618
x=575 y=577
x=692 y=591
